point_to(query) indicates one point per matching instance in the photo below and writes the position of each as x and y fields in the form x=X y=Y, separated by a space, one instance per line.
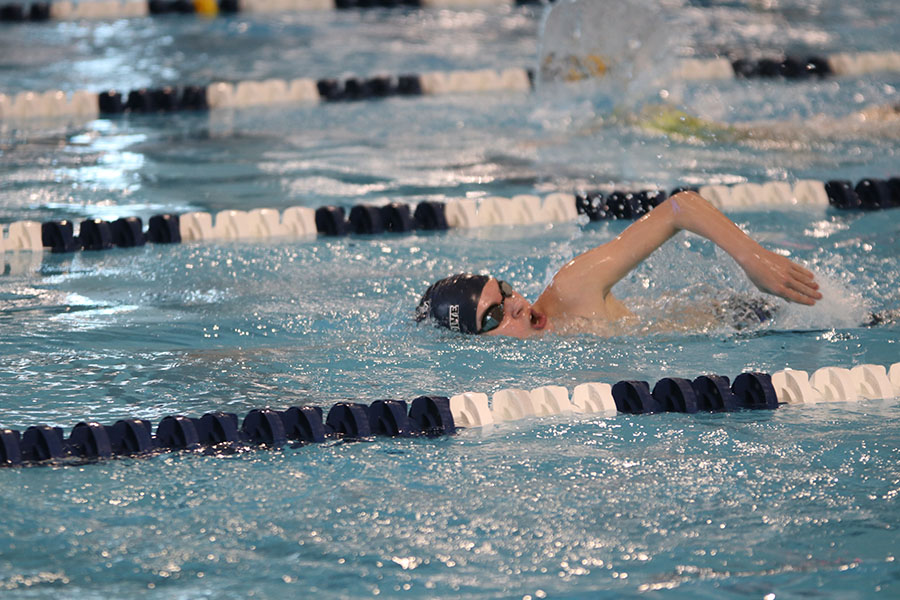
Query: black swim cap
x=453 y=302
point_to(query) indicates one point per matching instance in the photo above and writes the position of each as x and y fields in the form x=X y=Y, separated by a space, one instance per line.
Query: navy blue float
x=625 y=205
x=178 y=433
x=164 y=229
x=163 y=7
x=365 y=218
x=304 y=424
x=39 y=11
x=264 y=426
x=755 y=391
x=128 y=232
x=650 y=199
x=381 y=86
x=409 y=85
x=875 y=194
x=90 y=440
x=110 y=103
x=431 y=216
x=357 y=89
x=131 y=437
x=330 y=220
x=330 y=90
x=58 y=236
x=12 y=13
x=397 y=218
x=389 y=417
x=42 y=442
x=675 y=395
x=592 y=204
x=714 y=393
x=431 y=415
x=894 y=185
x=618 y=204
x=354 y=88
x=348 y=420
x=841 y=194
x=350 y=4
x=634 y=397
x=193 y=97
x=791 y=67
x=95 y=234
x=141 y=101
x=216 y=428
x=165 y=99
x=10 y=451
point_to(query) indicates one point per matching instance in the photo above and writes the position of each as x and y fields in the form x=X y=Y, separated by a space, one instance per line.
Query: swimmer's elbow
x=693 y=212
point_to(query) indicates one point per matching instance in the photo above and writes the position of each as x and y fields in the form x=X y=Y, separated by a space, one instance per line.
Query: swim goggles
x=494 y=314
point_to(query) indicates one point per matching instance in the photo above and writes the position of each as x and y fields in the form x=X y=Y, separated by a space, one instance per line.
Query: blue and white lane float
x=245 y=94
x=365 y=219
x=66 y=10
x=220 y=433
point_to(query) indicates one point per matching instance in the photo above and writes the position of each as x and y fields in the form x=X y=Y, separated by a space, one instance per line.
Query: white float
x=299 y=221
x=835 y=384
x=593 y=397
x=811 y=192
x=461 y=213
x=717 y=195
x=560 y=208
x=196 y=226
x=25 y=235
x=470 y=409
x=792 y=386
x=872 y=382
x=511 y=405
x=551 y=400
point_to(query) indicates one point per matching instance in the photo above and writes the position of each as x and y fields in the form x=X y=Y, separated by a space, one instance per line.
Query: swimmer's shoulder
x=580 y=310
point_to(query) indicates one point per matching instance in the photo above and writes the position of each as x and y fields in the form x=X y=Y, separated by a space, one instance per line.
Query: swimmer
x=580 y=294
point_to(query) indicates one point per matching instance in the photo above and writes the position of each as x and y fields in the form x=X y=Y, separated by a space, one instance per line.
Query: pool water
x=798 y=502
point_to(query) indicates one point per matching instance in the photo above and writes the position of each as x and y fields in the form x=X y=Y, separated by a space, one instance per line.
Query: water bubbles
x=625 y=56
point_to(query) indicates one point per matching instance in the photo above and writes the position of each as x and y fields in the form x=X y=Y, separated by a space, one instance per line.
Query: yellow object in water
x=585 y=67
x=595 y=65
x=672 y=121
x=573 y=68
x=209 y=8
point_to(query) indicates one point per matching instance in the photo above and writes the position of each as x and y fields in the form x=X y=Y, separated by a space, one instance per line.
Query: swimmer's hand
x=775 y=274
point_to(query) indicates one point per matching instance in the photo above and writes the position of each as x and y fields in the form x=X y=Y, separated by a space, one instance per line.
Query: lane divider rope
x=66 y=10
x=364 y=219
x=219 y=433
x=789 y=67
x=245 y=94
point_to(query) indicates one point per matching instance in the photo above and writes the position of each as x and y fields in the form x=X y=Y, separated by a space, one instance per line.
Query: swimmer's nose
x=516 y=307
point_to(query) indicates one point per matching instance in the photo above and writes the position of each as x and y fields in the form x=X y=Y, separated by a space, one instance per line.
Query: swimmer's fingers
x=802 y=291
x=804 y=274
x=778 y=275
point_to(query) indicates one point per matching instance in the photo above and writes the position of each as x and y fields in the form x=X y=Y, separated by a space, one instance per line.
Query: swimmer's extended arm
x=592 y=274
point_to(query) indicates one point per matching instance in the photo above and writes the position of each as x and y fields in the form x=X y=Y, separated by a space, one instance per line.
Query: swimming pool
x=798 y=501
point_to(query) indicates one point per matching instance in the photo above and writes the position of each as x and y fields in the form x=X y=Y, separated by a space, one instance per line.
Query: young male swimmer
x=580 y=293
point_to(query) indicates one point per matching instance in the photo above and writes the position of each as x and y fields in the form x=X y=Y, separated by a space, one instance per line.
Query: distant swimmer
x=579 y=297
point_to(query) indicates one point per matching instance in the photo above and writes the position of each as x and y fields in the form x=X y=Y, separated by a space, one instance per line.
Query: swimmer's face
x=519 y=318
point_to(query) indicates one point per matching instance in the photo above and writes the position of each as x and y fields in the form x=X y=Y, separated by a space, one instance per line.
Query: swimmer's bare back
x=581 y=290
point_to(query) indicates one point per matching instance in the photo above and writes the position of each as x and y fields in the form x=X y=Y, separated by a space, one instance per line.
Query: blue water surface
x=797 y=502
